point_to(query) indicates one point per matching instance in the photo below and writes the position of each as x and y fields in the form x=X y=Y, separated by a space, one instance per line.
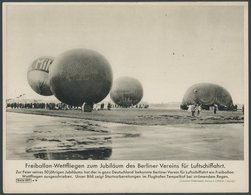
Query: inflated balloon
x=80 y=76
x=207 y=94
x=38 y=75
x=126 y=91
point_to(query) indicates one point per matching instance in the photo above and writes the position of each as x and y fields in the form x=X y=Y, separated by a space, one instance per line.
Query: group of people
x=197 y=109
x=63 y=106
x=194 y=108
x=50 y=106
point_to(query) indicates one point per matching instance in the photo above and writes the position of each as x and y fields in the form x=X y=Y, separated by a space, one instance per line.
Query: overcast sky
x=166 y=47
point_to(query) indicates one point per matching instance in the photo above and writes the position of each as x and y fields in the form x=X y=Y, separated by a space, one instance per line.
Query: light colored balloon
x=38 y=75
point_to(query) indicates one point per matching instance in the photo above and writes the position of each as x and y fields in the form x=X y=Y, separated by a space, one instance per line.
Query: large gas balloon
x=126 y=91
x=38 y=75
x=80 y=76
x=207 y=94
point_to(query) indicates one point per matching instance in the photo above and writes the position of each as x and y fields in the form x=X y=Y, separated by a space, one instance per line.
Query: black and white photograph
x=125 y=81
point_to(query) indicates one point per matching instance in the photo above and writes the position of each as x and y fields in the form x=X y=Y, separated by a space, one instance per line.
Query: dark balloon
x=126 y=91
x=38 y=75
x=80 y=75
x=207 y=94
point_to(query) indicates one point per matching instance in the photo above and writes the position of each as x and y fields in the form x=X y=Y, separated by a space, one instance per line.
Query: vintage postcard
x=125 y=97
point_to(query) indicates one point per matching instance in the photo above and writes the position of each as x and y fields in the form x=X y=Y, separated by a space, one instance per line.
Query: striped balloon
x=38 y=74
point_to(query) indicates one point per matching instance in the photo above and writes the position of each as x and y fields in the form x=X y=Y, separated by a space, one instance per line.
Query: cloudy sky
x=168 y=47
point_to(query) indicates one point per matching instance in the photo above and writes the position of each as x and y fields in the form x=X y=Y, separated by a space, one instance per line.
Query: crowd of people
x=63 y=106
x=50 y=106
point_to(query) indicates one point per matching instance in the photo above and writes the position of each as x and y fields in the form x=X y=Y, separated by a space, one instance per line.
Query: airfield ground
x=143 y=116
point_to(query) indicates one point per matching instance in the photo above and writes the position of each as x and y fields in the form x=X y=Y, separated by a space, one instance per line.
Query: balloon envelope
x=207 y=94
x=126 y=91
x=38 y=75
x=80 y=75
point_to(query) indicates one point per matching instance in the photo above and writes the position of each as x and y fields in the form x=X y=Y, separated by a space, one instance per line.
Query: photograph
x=125 y=81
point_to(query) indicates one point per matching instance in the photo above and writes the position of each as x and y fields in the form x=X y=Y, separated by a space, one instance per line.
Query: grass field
x=143 y=116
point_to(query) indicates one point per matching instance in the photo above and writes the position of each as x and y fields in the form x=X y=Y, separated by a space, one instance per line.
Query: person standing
x=189 y=109
x=193 y=109
x=215 y=108
x=199 y=108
